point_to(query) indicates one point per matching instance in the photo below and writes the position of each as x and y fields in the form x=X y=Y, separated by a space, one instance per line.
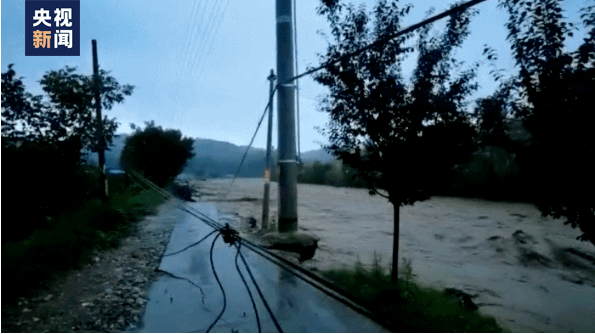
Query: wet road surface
x=187 y=298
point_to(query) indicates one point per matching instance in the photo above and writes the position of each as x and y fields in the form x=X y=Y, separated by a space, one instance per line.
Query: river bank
x=527 y=271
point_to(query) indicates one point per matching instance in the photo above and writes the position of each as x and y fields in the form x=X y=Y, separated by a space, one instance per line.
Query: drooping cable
x=248 y=289
x=218 y=282
x=213 y=35
x=303 y=274
x=251 y=141
x=192 y=245
x=382 y=41
x=196 y=37
x=197 y=214
x=266 y=305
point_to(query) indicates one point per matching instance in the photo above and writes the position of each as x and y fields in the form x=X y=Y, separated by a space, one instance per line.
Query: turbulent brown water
x=527 y=271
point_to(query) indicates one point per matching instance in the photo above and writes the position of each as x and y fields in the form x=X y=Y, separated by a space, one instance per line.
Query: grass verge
x=409 y=307
x=70 y=239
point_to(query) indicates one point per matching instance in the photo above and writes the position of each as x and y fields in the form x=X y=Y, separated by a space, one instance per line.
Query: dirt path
x=108 y=295
x=527 y=271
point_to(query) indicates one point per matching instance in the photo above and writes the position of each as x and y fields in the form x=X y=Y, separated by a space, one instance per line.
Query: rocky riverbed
x=108 y=295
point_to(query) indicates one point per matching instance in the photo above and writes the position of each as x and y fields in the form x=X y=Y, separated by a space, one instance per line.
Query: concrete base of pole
x=303 y=244
x=287 y=225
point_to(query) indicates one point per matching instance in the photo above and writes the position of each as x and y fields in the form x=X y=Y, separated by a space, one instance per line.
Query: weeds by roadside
x=409 y=307
x=70 y=239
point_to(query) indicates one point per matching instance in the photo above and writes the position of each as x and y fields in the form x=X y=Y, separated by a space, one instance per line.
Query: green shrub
x=407 y=306
x=70 y=239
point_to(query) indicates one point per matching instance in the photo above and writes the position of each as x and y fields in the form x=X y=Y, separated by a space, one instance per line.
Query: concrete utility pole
x=100 y=149
x=267 y=173
x=288 y=221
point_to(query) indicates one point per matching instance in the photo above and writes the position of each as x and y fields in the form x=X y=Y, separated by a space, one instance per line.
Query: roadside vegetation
x=54 y=212
x=407 y=306
x=69 y=238
x=414 y=135
x=490 y=173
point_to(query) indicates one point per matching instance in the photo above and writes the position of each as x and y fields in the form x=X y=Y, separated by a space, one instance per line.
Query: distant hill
x=316 y=155
x=213 y=158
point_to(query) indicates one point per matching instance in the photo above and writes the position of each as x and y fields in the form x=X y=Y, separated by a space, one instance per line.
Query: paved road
x=188 y=298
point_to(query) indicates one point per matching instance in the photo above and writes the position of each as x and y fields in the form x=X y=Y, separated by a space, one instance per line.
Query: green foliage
x=157 y=153
x=491 y=173
x=408 y=307
x=399 y=136
x=333 y=174
x=553 y=97
x=402 y=137
x=70 y=239
x=36 y=194
x=68 y=111
x=21 y=110
x=43 y=141
x=52 y=217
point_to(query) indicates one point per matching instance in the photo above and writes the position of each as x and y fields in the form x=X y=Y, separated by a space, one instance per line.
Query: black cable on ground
x=194 y=244
x=266 y=305
x=320 y=283
x=248 y=289
x=220 y=285
x=308 y=277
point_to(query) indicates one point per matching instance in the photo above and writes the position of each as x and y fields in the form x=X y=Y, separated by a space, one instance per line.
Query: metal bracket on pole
x=284 y=18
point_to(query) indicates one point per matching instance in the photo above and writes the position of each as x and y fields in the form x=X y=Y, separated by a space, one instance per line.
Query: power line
x=218 y=282
x=196 y=37
x=388 y=38
x=249 y=292
x=213 y=36
x=199 y=46
x=308 y=277
x=266 y=305
x=251 y=141
x=191 y=29
x=192 y=245
x=303 y=274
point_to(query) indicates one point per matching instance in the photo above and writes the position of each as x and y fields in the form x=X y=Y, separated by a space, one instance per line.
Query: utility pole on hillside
x=286 y=119
x=101 y=141
x=267 y=173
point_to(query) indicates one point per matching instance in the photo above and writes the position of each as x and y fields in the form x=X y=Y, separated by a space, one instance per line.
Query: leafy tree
x=21 y=111
x=554 y=90
x=402 y=137
x=51 y=133
x=491 y=113
x=68 y=111
x=160 y=154
x=72 y=97
x=42 y=180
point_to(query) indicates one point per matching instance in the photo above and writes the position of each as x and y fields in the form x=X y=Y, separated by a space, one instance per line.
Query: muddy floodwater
x=528 y=272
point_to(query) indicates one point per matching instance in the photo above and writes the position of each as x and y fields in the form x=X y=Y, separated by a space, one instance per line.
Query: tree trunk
x=395 y=267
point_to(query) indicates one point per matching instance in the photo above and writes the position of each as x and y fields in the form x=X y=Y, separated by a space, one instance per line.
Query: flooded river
x=527 y=271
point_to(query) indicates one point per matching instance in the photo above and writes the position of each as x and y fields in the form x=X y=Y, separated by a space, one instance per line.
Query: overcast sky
x=201 y=66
